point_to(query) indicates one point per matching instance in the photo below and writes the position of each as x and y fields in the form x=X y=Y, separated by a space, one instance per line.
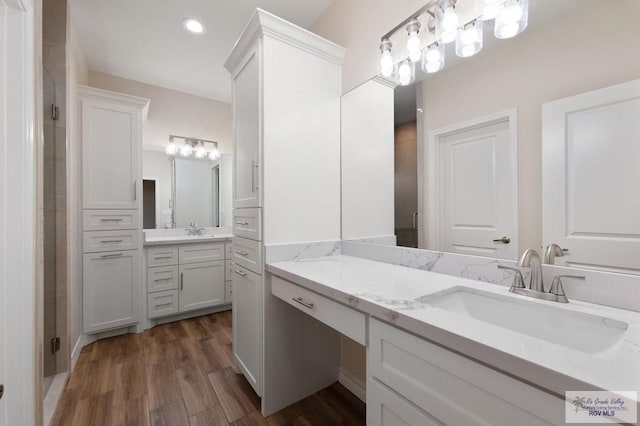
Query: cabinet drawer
x=98 y=241
x=228 y=270
x=387 y=408
x=108 y=220
x=194 y=253
x=452 y=388
x=346 y=320
x=247 y=223
x=248 y=254
x=162 y=303
x=228 y=286
x=161 y=278
x=162 y=256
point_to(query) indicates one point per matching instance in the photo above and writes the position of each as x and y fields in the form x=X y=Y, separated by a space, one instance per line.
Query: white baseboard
x=353 y=385
x=83 y=340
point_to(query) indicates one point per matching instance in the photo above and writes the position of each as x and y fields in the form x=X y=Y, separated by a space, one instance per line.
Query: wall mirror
x=534 y=140
x=178 y=191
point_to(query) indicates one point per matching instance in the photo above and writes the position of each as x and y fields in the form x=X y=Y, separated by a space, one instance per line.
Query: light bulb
x=433 y=60
x=449 y=21
x=214 y=154
x=405 y=73
x=185 y=151
x=200 y=152
x=469 y=39
x=512 y=19
x=386 y=64
x=413 y=46
x=490 y=9
x=171 y=149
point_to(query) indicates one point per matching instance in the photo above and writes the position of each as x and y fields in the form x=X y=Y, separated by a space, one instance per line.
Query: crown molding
x=384 y=81
x=135 y=101
x=263 y=23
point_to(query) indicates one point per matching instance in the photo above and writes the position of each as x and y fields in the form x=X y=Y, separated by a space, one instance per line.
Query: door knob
x=503 y=240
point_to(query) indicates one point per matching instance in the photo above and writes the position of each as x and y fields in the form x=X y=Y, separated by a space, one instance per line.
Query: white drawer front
x=162 y=303
x=208 y=252
x=346 y=320
x=228 y=251
x=387 y=408
x=452 y=388
x=99 y=241
x=247 y=223
x=229 y=291
x=162 y=278
x=248 y=254
x=228 y=270
x=107 y=220
x=162 y=256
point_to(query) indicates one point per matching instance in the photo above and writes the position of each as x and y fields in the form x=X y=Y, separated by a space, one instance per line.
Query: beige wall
x=172 y=112
x=588 y=49
x=78 y=73
x=358 y=25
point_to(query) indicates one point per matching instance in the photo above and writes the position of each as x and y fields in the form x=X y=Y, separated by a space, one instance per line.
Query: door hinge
x=55 y=345
x=55 y=112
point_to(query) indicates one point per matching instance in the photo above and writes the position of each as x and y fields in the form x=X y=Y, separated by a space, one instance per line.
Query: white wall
x=368 y=162
x=78 y=73
x=172 y=112
x=590 y=48
x=358 y=25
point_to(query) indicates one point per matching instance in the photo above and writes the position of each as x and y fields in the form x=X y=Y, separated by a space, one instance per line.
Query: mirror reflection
x=539 y=147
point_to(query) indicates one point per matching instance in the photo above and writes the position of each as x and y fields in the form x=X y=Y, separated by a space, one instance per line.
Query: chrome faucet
x=194 y=230
x=531 y=259
x=551 y=252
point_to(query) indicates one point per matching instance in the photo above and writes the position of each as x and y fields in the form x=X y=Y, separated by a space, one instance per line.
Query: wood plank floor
x=180 y=374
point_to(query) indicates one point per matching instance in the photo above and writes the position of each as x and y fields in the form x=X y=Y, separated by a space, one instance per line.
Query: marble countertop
x=389 y=292
x=185 y=239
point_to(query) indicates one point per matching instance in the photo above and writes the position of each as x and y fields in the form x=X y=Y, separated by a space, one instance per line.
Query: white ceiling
x=144 y=40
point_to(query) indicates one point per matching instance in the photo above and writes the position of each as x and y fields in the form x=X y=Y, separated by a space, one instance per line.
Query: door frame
x=433 y=209
x=20 y=212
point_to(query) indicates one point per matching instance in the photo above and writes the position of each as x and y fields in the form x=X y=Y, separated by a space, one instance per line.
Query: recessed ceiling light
x=193 y=26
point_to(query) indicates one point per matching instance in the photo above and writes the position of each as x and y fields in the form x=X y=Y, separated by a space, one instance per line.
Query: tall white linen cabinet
x=286 y=190
x=111 y=129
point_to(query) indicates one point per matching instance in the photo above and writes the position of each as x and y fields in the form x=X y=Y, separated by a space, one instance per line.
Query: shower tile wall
x=55 y=201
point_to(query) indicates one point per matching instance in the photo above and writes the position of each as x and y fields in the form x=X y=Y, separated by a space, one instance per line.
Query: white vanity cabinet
x=186 y=277
x=111 y=128
x=286 y=86
x=415 y=382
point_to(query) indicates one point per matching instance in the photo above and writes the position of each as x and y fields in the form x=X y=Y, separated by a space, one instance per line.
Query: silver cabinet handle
x=242 y=253
x=181 y=281
x=299 y=300
x=254 y=166
x=106 y=256
x=110 y=241
x=503 y=240
x=162 y=279
x=110 y=220
x=242 y=223
x=415 y=220
x=242 y=274
x=135 y=191
x=163 y=304
x=162 y=257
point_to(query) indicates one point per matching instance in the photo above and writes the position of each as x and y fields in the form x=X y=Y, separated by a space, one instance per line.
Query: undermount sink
x=591 y=334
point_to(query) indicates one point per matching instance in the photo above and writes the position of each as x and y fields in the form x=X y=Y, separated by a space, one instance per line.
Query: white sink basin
x=584 y=332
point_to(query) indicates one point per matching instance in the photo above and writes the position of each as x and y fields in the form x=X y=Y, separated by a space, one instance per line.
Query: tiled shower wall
x=54 y=14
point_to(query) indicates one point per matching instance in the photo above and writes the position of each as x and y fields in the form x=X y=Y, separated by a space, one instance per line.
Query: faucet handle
x=558 y=290
x=518 y=281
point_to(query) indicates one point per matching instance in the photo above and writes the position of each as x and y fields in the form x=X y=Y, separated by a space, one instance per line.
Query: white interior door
x=591 y=196
x=473 y=201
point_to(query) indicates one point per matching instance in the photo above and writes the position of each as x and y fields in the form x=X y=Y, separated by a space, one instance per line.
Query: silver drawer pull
x=105 y=256
x=242 y=253
x=242 y=223
x=242 y=274
x=110 y=220
x=163 y=279
x=164 y=304
x=162 y=257
x=303 y=303
x=111 y=241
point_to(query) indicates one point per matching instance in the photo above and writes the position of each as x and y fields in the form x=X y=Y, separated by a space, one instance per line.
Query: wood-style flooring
x=180 y=374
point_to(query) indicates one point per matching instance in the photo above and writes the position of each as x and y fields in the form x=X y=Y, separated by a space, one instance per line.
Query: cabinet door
x=387 y=408
x=201 y=285
x=246 y=131
x=110 y=284
x=111 y=139
x=247 y=314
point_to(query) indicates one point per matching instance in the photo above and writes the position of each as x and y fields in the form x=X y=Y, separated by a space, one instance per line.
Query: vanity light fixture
x=469 y=39
x=413 y=42
x=192 y=146
x=439 y=22
x=193 y=26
